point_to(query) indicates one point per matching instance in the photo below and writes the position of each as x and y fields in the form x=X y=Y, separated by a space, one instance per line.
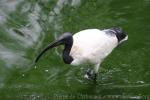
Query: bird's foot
x=90 y=75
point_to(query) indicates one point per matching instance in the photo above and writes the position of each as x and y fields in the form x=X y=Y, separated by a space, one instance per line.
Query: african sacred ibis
x=88 y=46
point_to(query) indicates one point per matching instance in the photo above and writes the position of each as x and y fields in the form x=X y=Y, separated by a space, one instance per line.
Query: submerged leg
x=95 y=76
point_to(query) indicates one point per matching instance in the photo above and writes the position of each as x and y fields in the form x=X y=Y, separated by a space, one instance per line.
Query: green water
x=26 y=26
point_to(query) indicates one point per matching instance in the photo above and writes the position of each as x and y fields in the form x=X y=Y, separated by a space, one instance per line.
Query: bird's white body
x=92 y=46
x=88 y=46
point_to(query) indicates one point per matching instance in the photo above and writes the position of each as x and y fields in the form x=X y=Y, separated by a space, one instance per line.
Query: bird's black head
x=66 y=38
x=120 y=34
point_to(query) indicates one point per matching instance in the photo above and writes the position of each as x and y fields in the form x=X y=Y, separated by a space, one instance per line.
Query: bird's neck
x=66 y=57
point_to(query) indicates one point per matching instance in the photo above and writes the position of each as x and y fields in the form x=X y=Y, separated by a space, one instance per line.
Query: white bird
x=88 y=46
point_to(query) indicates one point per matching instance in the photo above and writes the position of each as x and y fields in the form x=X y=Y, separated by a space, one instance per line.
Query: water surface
x=27 y=26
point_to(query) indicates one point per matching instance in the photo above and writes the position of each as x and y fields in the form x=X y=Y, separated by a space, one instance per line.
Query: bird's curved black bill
x=51 y=45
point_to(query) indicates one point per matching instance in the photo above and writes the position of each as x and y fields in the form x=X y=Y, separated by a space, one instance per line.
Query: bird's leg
x=92 y=74
x=88 y=74
x=96 y=68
